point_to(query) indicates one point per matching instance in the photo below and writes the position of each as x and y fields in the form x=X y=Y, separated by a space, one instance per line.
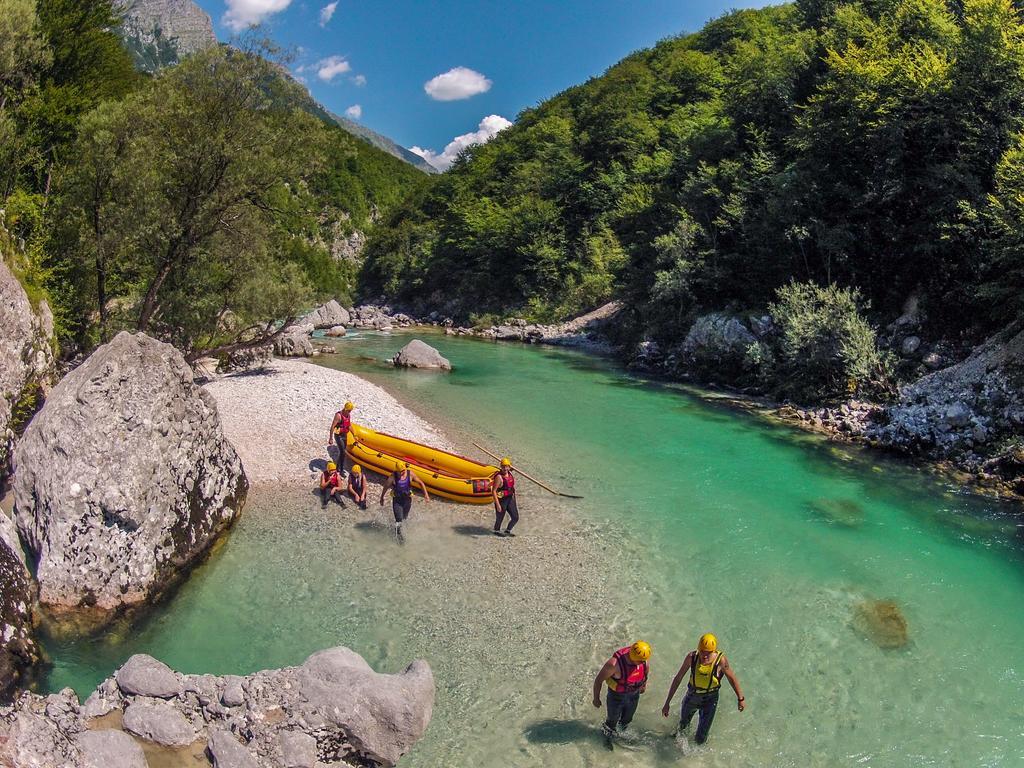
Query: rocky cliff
x=158 y=33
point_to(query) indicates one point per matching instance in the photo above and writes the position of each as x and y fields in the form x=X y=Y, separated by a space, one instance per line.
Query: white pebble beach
x=278 y=418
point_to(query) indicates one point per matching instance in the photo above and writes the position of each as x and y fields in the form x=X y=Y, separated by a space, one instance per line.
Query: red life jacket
x=508 y=485
x=632 y=677
x=333 y=479
x=344 y=423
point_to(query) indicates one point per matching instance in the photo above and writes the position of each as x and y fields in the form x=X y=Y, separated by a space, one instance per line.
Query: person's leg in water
x=708 y=707
x=615 y=702
x=691 y=704
x=513 y=514
x=396 y=510
x=629 y=705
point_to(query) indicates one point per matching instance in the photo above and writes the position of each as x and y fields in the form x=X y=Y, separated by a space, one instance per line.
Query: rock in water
x=881 y=622
x=26 y=355
x=845 y=512
x=417 y=354
x=124 y=479
x=18 y=649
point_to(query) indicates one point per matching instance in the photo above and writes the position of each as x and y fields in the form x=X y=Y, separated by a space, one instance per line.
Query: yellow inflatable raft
x=445 y=474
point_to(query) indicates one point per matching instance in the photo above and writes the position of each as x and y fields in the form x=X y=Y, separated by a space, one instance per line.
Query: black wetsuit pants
x=702 y=704
x=621 y=708
x=401 y=506
x=341 y=441
x=507 y=506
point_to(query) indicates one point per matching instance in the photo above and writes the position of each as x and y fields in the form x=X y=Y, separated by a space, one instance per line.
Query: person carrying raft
x=400 y=482
x=503 y=489
x=357 y=486
x=706 y=665
x=340 y=427
x=626 y=674
x=330 y=485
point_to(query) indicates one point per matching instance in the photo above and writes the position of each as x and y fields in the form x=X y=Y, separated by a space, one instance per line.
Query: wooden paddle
x=532 y=479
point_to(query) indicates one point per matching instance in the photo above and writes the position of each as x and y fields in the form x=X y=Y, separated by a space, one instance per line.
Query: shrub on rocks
x=825 y=347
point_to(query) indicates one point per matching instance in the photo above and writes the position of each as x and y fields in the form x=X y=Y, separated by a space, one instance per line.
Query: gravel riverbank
x=278 y=418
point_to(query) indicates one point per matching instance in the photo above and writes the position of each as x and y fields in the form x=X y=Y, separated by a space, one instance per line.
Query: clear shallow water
x=696 y=518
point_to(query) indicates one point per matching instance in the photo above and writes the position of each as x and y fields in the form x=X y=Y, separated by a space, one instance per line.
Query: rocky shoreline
x=333 y=710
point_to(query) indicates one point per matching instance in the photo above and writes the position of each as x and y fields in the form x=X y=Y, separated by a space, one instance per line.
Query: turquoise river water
x=696 y=517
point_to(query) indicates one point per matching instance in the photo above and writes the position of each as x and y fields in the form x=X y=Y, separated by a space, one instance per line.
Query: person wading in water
x=340 y=427
x=401 y=482
x=357 y=486
x=706 y=666
x=626 y=674
x=503 y=489
x=330 y=485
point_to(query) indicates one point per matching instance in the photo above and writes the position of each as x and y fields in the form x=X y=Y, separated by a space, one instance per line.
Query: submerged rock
x=844 y=512
x=418 y=354
x=124 y=479
x=332 y=710
x=881 y=622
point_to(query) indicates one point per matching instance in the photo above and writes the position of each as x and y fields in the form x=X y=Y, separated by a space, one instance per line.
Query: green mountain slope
x=826 y=141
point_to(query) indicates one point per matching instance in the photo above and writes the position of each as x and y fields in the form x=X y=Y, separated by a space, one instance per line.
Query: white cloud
x=355 y=112
x=455 y=84
x=327 y=12
x=329 y=68
x=359 y=80
x=489 y=127
x=242 y=14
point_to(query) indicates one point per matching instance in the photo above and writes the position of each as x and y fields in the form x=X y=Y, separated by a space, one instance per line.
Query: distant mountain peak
x=158 y=33
x=382 y=142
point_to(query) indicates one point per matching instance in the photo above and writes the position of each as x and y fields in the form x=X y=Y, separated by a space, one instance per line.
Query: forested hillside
x=872 y=145
x=202 y=204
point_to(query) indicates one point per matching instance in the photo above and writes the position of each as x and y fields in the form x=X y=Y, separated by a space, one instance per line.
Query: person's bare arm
x=741 y=702
x=676 y=682
x=387 y=486
x=334 y=423
x=422 y=485
x=606 y=671
x=494 y=491
x=323 y=481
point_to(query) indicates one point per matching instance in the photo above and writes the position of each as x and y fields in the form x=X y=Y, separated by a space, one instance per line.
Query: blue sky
x=379 y=55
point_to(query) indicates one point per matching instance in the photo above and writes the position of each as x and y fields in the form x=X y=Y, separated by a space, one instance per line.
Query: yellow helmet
x=506 y=462
x=708 y=642
x=349 y=406
x=331 y=466
x=639 y=651
x=356 y=469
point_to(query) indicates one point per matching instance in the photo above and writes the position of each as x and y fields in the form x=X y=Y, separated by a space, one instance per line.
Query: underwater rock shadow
x=555 y=731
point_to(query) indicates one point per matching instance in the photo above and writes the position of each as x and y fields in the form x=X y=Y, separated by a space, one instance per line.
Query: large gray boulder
x=720 y=346
x=124 y=479
x=18 y=648
x=383 y=715
x=143 y=675
x=26 y=356
x=975 y=403
x=326 y=316
x=418 y=354
x=110 y=749
x=294 y=343
x=333 y=709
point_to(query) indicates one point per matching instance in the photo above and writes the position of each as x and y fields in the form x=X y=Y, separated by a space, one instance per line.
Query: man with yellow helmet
x=706 y=665
x=330 y=484
x=503 y=489
x=340 y=427
x=626 y=674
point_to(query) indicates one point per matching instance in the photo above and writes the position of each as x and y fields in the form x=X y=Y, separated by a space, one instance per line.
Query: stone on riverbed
x=418 y=354
x=124 y=480
x=844 y=512
x=881 y=622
